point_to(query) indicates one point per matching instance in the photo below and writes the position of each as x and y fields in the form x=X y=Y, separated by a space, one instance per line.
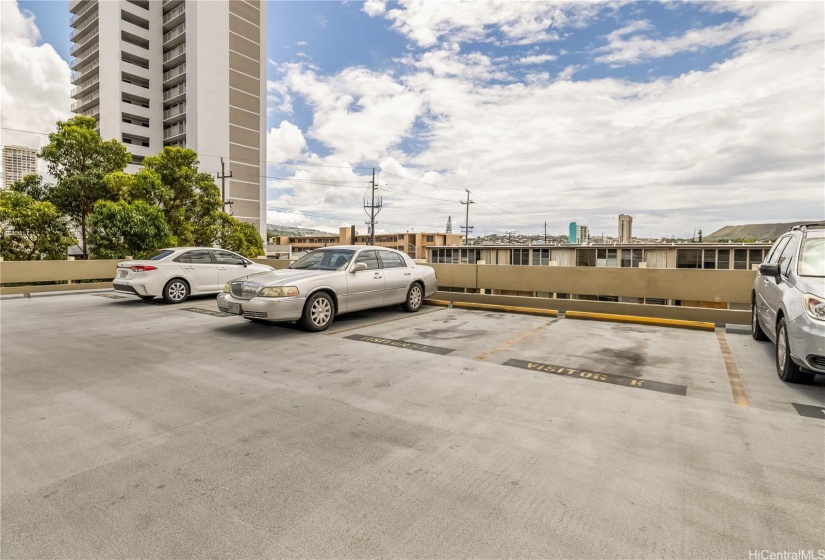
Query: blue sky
x=680 y=114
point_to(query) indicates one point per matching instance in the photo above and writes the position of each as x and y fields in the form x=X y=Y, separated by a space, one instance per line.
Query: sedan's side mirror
x=359 y=266
x=769 y=269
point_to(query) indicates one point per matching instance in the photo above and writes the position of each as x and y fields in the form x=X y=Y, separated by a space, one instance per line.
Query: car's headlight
x=279 y=291
x=226 y=288
x=815 y=306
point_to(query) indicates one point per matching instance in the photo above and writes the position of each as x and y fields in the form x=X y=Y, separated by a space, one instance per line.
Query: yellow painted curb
x=655 y=321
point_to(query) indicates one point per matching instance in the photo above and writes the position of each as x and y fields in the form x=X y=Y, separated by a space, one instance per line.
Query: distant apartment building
x=582 y=234
x=414 y=244
x=179 y=73
x=625 y=228
x=18 y=161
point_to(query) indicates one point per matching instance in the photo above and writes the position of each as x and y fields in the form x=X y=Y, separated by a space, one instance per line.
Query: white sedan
x=179 y=272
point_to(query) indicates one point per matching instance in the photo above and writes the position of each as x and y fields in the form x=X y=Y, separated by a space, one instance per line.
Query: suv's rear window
x=812 y=257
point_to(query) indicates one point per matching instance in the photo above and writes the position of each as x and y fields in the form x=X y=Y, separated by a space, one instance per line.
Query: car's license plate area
x=235 y=308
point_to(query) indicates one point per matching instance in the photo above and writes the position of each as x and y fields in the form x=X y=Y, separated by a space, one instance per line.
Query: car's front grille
x=818 y=361
x=255 y=314
x=223 y=308
x=243 y=290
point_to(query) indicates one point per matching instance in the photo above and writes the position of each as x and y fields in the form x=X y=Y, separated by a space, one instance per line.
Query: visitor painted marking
x=208 y=312
x=810 y=411
x=400 y=344
x=625 y=381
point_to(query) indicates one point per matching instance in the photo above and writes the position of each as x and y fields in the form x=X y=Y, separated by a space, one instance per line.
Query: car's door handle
x=189 y=267
x=222 y=268
x=407 y=273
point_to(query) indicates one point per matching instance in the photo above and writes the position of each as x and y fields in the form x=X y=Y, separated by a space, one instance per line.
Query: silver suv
x=788 y=303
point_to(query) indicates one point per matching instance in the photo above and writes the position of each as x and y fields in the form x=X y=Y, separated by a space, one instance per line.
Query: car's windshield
x=324 y=259
x=160 y=255
x=812 y=257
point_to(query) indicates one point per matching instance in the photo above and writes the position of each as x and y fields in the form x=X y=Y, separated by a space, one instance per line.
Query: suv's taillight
x=814 y=306
x=142 y=268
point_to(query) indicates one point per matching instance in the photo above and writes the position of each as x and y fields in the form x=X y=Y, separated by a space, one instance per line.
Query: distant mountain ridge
x=758 y=232
x=273 y=229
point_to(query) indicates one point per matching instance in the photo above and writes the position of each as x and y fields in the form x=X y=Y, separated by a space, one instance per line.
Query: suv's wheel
x=318 y=312
x=756 y=328
x=176 y=291
x=785 y=366
x=415 y=297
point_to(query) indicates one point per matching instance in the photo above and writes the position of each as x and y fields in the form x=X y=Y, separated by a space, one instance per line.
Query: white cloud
x=536 y=59
x=35 y=81
x=284 y=143
x=374 y=7
x=427 y=23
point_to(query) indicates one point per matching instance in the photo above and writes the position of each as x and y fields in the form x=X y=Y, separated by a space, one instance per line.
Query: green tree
x=189 y=199
x=121 y=229
x=240 y=237
x=32 y=185
x=32 y=229
x=78 y=159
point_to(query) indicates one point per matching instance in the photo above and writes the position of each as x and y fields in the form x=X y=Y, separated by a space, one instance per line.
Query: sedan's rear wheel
x=318 y=312
x=785 y=366
x=415 y=297
x=176 y=291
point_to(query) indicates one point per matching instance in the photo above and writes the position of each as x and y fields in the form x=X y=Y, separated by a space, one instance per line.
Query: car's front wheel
x=756 y=329
x=415 y=297
x=786 y=368
x=318 y=312
x=176 y=291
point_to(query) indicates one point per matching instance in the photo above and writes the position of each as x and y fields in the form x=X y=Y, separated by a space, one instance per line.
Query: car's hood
x=811 y=284
x=286 y=276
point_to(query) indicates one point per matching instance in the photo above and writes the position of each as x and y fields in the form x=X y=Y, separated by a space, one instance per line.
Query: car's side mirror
x=769 y=269
x=359 y=266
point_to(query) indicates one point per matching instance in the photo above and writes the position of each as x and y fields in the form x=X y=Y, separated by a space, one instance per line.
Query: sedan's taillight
x=142 y=268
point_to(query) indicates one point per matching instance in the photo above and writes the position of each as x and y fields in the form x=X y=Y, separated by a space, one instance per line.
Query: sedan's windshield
x=812 y=257
x=324 y=259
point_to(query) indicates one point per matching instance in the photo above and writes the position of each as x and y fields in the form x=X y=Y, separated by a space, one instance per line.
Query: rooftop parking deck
x=134 y=430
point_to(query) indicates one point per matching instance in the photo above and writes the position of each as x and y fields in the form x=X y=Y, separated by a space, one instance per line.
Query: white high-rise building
x=18 y=161
x=179 y=73
x=625 y=228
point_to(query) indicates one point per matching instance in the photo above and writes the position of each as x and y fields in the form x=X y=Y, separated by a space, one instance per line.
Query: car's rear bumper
x=271 y=309
x=806 y=338
x=136 y=289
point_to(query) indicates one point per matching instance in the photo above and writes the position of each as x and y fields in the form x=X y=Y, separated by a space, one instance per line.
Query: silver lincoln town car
x=329 y=282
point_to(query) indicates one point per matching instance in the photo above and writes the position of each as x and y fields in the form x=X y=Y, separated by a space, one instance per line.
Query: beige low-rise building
x=415 y=244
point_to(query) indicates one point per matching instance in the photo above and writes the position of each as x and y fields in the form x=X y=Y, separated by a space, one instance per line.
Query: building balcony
x=82 y=45
x=174 y=57
x=85 y=88
x=85 y=59
x=177 y=93
x=85 y=102
x=174 y=37
x=174 y=76
x=174 y=132
x=174 y=114
x=90 y=23
x=87 y=72
x=93 y=112
x=174 y=17
x=82 y=14
x=171 y=4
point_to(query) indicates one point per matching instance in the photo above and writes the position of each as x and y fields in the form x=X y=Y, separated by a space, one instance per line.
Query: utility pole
x=449 y=224
x=467 y=227
x=371 y=208
x=545 y=232
x=223 y=177
x=510 y=233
